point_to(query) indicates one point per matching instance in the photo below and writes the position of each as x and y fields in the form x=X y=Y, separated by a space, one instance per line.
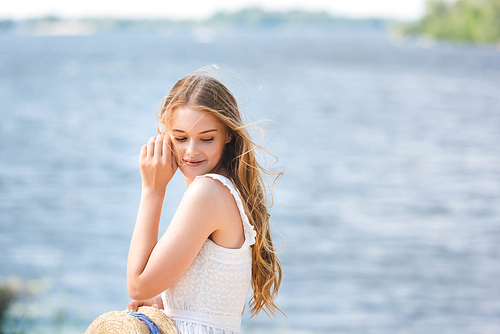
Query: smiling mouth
x=193 y=163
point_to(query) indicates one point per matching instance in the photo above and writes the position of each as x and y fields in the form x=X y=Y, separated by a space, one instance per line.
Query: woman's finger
x=151 y=147
x=132 y=306
x=166 y=147
x=144 y=152
x=158 y=146
x=169 y=150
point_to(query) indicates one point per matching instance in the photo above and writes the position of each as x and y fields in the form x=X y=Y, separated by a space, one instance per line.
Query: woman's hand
x=155 y=302
x=157 y=163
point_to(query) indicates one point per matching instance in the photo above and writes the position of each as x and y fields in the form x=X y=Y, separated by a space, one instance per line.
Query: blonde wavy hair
x=202 y=92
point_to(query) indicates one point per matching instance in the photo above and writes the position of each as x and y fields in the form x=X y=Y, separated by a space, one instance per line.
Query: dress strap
x=248 y=229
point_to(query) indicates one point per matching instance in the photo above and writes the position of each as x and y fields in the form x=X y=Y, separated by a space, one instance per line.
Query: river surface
x=387 y=216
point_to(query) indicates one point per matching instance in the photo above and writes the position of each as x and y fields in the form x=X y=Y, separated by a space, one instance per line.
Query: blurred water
x=388 y=207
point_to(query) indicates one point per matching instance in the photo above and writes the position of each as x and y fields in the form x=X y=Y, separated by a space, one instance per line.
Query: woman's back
x=211 y=295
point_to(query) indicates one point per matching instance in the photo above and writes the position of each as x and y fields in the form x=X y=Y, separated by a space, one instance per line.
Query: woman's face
x=198 y=140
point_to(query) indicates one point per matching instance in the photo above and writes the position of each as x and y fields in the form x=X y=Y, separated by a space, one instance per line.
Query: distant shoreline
x=246 y=18
x=462 y=21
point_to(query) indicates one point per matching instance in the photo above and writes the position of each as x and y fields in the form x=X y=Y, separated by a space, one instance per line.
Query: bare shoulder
x=209 y=191
x=207 y=186
x=217 y=207
x=203 y=206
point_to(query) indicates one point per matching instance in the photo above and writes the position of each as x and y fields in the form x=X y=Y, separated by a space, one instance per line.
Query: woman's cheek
x=176 y=151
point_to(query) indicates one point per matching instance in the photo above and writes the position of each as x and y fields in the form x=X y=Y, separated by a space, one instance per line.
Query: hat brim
x=164 y=323
x=120 y=322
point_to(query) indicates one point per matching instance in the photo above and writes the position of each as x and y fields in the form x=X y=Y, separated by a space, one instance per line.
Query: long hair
x=203 y=92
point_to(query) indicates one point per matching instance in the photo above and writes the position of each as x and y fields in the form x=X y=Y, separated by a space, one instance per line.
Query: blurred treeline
x=462 y=20
x=253 y=17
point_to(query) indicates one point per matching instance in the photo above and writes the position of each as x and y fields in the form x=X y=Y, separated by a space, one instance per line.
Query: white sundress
x=210 y=297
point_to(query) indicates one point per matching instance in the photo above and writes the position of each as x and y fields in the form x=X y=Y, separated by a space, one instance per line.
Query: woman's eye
x=208 y=139
x=180 y=139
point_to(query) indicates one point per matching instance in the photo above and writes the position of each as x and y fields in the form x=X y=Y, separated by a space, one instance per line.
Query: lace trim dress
x=210 y=297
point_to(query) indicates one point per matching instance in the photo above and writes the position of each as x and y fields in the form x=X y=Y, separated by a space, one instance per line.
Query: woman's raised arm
x=157 y=166
x=154 y=265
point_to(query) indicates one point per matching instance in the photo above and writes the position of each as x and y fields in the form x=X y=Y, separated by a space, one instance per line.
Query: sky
x=185 y=9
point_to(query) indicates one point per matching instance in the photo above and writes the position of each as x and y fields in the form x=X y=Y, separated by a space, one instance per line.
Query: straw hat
x=121 y=322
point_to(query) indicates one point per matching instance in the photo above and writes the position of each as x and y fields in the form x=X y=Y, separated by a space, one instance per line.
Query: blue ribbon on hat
x=153 y=329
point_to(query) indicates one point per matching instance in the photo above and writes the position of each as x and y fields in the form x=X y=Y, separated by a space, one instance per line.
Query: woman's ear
x=229 y=137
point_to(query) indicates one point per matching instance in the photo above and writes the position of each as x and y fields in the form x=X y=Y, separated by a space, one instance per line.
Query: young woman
x=218 y=243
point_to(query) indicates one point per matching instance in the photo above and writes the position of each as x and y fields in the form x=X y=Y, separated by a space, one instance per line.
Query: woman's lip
x=193 y=163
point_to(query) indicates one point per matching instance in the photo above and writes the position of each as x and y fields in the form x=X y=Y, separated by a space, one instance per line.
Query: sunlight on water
x=387 y=213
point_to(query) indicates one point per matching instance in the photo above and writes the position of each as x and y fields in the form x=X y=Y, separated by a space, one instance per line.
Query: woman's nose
x=191 y=149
